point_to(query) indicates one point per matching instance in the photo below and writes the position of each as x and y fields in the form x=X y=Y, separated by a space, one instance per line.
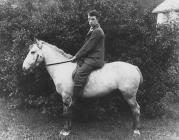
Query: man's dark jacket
x=93 y=51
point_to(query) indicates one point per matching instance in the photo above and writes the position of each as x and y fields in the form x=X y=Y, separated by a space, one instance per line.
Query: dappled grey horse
x=116 y=75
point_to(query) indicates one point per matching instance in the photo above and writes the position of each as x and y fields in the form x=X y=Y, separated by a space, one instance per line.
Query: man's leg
x=80 y=79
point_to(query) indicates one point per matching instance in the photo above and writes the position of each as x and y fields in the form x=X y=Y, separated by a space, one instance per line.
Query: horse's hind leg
x=130 y=97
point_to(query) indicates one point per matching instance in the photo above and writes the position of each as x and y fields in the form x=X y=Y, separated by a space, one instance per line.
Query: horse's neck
x=53 y=55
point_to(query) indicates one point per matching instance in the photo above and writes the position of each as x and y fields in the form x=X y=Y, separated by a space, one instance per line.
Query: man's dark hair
x=94 y=13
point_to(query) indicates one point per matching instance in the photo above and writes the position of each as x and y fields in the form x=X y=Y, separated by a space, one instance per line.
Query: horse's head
x=34 y=57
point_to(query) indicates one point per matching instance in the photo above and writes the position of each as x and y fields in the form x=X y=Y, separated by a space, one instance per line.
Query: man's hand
x=73 y=59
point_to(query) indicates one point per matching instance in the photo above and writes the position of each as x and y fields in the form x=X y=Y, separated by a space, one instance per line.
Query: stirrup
x=68 y=101
x=71 y=101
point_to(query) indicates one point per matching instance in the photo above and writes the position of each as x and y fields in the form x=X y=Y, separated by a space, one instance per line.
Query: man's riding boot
x=76 y=93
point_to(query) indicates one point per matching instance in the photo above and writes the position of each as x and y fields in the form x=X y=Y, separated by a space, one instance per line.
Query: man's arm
x=89 y=44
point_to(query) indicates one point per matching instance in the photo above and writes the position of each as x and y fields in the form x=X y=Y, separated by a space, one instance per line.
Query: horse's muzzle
x=26 y=71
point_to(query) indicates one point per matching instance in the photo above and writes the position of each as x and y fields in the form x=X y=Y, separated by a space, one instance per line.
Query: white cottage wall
x=174 y=17
x=162 y=18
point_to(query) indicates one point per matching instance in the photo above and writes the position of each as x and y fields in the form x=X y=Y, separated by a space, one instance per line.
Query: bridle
x=36 y=59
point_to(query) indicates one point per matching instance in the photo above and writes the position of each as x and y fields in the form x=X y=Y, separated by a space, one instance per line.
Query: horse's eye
x=32 y=52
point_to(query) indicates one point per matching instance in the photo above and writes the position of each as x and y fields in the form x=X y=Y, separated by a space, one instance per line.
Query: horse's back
x=118 y=67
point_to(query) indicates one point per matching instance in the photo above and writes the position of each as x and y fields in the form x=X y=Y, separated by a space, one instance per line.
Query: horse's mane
x=58 y=50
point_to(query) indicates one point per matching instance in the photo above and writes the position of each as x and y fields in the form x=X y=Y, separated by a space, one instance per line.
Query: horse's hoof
x=136 y=133
x=64 y=133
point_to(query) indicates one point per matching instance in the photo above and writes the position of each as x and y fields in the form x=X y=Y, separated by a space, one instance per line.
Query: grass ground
x=31 y=124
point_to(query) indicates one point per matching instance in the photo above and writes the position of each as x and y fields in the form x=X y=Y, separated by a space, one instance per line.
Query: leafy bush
x=130 y=36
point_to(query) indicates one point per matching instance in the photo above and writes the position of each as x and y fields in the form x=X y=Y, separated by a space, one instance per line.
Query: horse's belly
x=92 y=92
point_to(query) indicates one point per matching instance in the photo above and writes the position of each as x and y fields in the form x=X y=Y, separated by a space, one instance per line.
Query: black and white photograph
x=89 y=69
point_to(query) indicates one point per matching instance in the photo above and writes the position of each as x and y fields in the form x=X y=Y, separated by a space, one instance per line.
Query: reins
x=58 y=63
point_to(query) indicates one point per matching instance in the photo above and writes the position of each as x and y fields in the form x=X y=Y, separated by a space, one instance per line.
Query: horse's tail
x=141 y=77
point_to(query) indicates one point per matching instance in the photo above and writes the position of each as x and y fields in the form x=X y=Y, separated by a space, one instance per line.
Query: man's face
x=92 y=20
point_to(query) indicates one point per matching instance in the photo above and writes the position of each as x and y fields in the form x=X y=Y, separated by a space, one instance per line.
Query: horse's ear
x=39 y=44
x=36 y=40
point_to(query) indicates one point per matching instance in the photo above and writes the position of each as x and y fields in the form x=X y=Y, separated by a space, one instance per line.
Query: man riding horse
x=90 y=56
x=118 y=75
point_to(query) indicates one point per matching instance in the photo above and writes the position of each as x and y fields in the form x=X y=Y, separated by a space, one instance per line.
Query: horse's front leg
x=67 y=114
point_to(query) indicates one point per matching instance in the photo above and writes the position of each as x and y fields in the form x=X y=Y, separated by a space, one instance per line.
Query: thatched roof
x=167 y=6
